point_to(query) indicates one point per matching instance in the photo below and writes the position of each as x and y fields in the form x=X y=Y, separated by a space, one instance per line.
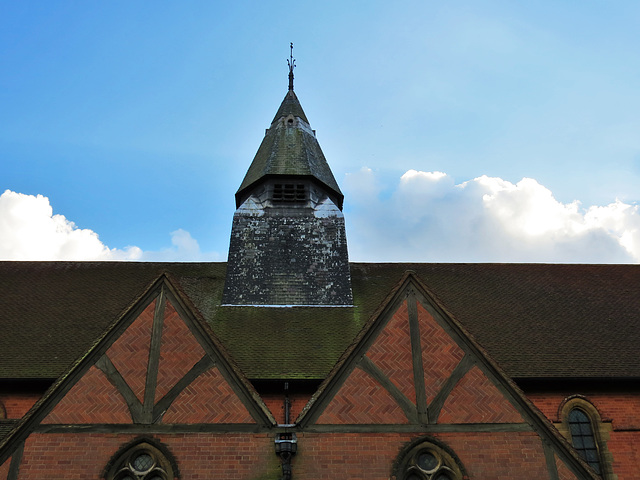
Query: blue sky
x=139 y=119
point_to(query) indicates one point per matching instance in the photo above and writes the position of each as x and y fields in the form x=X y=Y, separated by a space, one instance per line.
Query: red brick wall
x=4 y=469
x=625 y=449
x=622 y=410
x=275 y=403
x=17 y=404
x=199 y=456
x=485 y=456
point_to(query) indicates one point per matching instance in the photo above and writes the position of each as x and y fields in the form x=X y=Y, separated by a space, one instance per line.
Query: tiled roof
x=290 y=151
x=290 y=106
x=5 y=427
x=536 y=320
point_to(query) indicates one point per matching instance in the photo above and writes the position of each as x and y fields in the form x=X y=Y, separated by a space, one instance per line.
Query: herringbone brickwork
x=499 y=455
x=476 y=400
x=179 y=351
x=563 y=471
x=361 y=399
x=4 y=469
x=208 y=399
x=93 y=399
x=440 y=353
x=130 y=352
x=391 y=352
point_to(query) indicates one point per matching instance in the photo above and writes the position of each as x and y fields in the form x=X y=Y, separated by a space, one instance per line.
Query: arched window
x=428 y=460
x=141 y=461
x=583 y=438
x=583 y=427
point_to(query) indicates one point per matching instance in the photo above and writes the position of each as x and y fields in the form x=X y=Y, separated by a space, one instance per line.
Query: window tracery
x=428 y=460
x=142 y=461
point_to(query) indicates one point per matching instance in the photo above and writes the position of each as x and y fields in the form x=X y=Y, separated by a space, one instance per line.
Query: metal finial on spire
x=292 y=64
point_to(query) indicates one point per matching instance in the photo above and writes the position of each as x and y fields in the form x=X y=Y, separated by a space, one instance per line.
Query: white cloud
x=427 y=217
x=30 y=231
x=185 y=249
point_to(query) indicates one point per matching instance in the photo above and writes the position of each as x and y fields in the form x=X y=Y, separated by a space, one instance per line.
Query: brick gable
x=179 y=351
x=409 y=344
x=413 y=368
x=391 y=353
x=158 y=363
x=130 y=353
x=475 y=399
x=362 y=400
x=440 y=353
x=93 y=399
x=156 y=371
x=208 y=399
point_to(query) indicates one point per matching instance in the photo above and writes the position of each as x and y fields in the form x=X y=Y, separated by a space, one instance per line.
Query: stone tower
x=288 y=243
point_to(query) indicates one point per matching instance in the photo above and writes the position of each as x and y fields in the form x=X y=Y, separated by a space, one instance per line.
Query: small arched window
x=583 y=427
x=583 y=438
x=141 y=461
x=428 y=460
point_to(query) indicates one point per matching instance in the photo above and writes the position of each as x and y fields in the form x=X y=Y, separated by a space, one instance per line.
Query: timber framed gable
x=414 y=369
x=157 y=369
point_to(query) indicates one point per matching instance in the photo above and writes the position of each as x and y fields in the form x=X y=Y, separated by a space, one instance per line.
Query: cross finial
x=292 y=64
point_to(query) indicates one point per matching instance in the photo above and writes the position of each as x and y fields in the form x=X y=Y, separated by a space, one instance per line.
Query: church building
x=289 y=362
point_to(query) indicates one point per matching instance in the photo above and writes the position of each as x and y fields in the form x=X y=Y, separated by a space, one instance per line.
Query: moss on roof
x=537 y=321
x=289 y=151
x=290 y=106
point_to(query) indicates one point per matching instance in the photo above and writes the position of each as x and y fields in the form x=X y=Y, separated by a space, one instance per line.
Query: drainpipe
x=286 y=443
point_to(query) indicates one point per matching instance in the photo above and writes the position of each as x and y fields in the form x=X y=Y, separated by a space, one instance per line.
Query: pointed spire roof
x=289 y=148
x=290 y=106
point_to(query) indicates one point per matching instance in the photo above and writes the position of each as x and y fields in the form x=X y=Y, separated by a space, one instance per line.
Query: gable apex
x=144 y=407
x=483 y=376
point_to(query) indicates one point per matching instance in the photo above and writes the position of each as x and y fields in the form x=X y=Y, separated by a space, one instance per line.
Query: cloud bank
x=30 y=231
x=426 y=216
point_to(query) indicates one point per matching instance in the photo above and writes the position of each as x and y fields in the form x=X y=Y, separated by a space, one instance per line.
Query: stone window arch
x=142 y=460
x=428 y=459
x=582 y=425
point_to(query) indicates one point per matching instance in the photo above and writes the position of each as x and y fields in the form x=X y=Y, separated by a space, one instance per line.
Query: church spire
x=292 y=64
x=288 y=243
